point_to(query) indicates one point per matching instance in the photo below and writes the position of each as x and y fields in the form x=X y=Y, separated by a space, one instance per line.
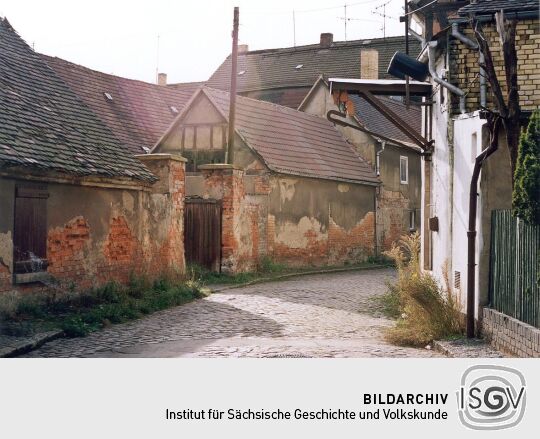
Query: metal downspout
x=471 y=233
x=431 y=64
x=473 y=45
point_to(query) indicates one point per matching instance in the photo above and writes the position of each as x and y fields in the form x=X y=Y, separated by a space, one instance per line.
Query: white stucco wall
x=441 y=187
x=467 y=145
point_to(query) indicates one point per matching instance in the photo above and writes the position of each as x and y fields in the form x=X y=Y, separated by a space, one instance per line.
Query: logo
x=491 y=397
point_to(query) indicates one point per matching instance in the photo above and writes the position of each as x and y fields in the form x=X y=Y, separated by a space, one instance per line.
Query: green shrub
x=526 y=195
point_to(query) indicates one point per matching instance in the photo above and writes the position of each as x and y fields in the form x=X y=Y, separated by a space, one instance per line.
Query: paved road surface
x=330 y=315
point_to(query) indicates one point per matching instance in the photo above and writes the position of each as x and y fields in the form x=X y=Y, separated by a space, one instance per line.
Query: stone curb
x=477 y=348
x=288 y=275
x=30 y=343
x=442 y=349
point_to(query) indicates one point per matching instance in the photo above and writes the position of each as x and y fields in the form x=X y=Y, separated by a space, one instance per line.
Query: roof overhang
x=368 y=89
x=388 y=87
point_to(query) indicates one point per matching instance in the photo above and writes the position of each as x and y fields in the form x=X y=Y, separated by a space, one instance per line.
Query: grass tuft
x=424 y=310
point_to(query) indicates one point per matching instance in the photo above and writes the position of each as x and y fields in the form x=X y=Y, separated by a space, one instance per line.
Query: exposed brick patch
x=355 y=244
x=510 y=335
x=270 y=233
x=310 y=246
x=122 y=252
x=392 y=219
x=5 y=278
x=67 y=249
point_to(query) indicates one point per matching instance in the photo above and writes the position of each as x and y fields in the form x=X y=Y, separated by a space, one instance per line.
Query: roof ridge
x=269 y=104
x=335 y=45
x=110 y=75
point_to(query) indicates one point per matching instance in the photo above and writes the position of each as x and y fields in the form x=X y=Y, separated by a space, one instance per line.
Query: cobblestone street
x=330 y=315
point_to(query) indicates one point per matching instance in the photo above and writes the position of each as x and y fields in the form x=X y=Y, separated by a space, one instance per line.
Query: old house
x=297 y=77
x=394 y=157
x=296 y=190
x=138 y=114
x=285 y=76
x=460 y=101
x=75 y=203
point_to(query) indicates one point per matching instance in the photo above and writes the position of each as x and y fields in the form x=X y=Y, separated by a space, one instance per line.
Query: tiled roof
x=274 y=68
x=293 y=142
x=139 y=112
x=370 y=118
x=290 y=97
x=488 y=6
x=45 y=126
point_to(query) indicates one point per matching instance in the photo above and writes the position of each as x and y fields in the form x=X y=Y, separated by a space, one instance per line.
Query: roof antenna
x=383 y=15
x=345 y=21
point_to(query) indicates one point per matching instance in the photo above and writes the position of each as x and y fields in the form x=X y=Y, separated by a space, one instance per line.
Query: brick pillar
x=225 y=182
x=165 y=214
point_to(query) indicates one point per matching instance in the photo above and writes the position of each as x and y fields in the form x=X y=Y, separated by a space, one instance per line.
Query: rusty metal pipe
x=471 y=233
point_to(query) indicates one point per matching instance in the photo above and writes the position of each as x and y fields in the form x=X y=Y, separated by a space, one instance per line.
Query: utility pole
x=407 y=97
x=229 y=155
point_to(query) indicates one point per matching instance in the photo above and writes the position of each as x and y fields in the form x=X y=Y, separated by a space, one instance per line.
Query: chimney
x=326 y=39
x=243 y=48
x=369 y=64
x=162 y=78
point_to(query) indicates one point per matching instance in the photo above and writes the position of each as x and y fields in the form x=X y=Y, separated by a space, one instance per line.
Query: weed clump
x=425 y=311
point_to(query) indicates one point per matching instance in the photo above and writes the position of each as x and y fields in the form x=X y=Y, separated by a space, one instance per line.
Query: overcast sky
x=121 y=37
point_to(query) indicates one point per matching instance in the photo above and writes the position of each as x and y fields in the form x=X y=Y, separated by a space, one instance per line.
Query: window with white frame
x=404 y=170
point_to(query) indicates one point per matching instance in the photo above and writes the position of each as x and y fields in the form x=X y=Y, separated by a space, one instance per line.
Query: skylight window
x=241 y=72
x=299 y=66
x=174 y=109
x=108 y=96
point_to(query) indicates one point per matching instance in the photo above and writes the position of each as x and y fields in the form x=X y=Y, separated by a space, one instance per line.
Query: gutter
x=377 y=157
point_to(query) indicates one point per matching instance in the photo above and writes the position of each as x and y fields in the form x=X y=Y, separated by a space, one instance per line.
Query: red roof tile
x=293 y=142
x=139 y=112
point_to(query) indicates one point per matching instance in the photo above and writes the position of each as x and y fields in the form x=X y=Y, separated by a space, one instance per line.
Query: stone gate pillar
x=164 y=228
x=225 y=182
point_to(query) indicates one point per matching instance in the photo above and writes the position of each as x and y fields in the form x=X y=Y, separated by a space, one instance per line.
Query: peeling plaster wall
x=394 y=200
x=100 y=234
x=319 y=222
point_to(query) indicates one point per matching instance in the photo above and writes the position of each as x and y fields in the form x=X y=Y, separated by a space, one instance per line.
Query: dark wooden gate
x=202 y=233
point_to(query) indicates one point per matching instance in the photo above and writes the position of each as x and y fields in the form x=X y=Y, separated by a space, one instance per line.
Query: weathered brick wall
x=312 y=222
x=5 y=278
x=510 y=335
x=244 y=204
x=392 y=217
x=101 y=234
x=464 y=67
x=351 y=245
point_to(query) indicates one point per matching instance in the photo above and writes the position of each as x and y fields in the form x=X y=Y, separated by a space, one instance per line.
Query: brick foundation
x=510 y=335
